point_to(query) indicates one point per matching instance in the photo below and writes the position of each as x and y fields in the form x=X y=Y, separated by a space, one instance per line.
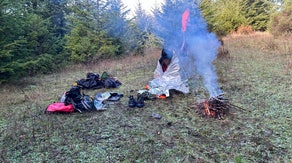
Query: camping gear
x=155 y=115
x=115 y=97
x=73 y=95
x=72 y=100
x=147 y=95
x=111 y=83
x=92 y=81
x=79 y=101
x=85 y=104
x=140 y=101
x=76 y=100
x=102 y=96
x=99 y=105
x=99 y=99
x=162 y=96
x=60 y=107
x=132 y=102
x=104 y=75
x=63 y=98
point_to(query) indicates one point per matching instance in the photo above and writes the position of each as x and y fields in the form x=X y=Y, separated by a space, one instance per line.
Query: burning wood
x=215 y=107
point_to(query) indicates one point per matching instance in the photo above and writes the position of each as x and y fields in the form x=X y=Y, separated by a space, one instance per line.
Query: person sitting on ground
x=162 y=64
x=167 y=75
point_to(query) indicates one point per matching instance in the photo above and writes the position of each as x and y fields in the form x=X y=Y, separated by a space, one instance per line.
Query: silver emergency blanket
x=170 y=79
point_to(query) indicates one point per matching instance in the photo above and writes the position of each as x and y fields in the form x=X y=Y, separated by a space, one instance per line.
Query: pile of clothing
x=95 y=81
x=76 y=100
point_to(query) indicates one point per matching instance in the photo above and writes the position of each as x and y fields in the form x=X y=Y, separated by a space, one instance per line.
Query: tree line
x=225 y=16
x=42 y=36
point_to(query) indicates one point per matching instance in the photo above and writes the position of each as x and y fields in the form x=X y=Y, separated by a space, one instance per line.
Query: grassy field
x=255 y=75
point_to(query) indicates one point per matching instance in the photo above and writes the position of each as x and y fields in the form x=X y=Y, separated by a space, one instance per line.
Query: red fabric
x=185 y=19
x=164 y=67
x=60 y=107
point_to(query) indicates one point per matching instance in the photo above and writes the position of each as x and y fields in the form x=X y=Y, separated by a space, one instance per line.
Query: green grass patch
x=255 y=76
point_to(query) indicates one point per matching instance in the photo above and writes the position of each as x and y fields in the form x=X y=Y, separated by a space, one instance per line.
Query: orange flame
x=207 y=110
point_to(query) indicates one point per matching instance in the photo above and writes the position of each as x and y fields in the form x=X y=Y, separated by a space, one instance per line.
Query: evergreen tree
x=99 y=29
x=26 y=41
x=281 y=21
x=287 y=4
x=117 y=26
x=10 y=13
x=142 y=29
x=230 y=16
x=84 y=39
x=224 y=16
x=167 y=25
x=257 y=13
x=56 y=11
x=141 y=18
x=208 y=11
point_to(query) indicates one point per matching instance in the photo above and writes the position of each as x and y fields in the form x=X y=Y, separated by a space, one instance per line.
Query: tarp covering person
x=167 y=75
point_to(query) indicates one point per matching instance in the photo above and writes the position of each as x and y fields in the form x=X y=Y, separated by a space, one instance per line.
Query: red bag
x=60 y=107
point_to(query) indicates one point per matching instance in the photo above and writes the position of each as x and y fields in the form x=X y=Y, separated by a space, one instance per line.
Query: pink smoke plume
x=185 y=19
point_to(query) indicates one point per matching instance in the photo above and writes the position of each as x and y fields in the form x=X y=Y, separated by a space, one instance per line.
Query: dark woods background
x=42 y=36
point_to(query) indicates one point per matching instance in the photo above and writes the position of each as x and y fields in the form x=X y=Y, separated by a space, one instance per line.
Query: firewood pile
x=215 y=107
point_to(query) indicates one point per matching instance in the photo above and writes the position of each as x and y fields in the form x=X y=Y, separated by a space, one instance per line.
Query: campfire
x=215 y=107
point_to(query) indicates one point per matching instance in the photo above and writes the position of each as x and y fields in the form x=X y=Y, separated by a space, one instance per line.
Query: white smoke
x=198 y=60
x=200 y=45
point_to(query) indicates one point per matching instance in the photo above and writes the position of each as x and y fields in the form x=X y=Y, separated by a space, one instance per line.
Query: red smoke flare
x=185 y=19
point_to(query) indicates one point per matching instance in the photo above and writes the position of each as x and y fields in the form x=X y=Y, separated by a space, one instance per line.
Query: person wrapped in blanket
x=167 y=75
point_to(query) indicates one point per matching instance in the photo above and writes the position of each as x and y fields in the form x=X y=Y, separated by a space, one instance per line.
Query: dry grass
x=255 y=75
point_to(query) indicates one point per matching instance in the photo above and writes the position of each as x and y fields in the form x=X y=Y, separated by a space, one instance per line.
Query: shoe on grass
x=132 y=102
x=115 y=97
x=140 y=101
x=148 y=96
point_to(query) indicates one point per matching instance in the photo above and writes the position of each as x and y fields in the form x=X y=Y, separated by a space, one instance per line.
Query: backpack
x=73 y=95
x=79 y=101
x=111 y=83
x=60 y=107
x=85 y=104
x=92 y=76
x=92 y=81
